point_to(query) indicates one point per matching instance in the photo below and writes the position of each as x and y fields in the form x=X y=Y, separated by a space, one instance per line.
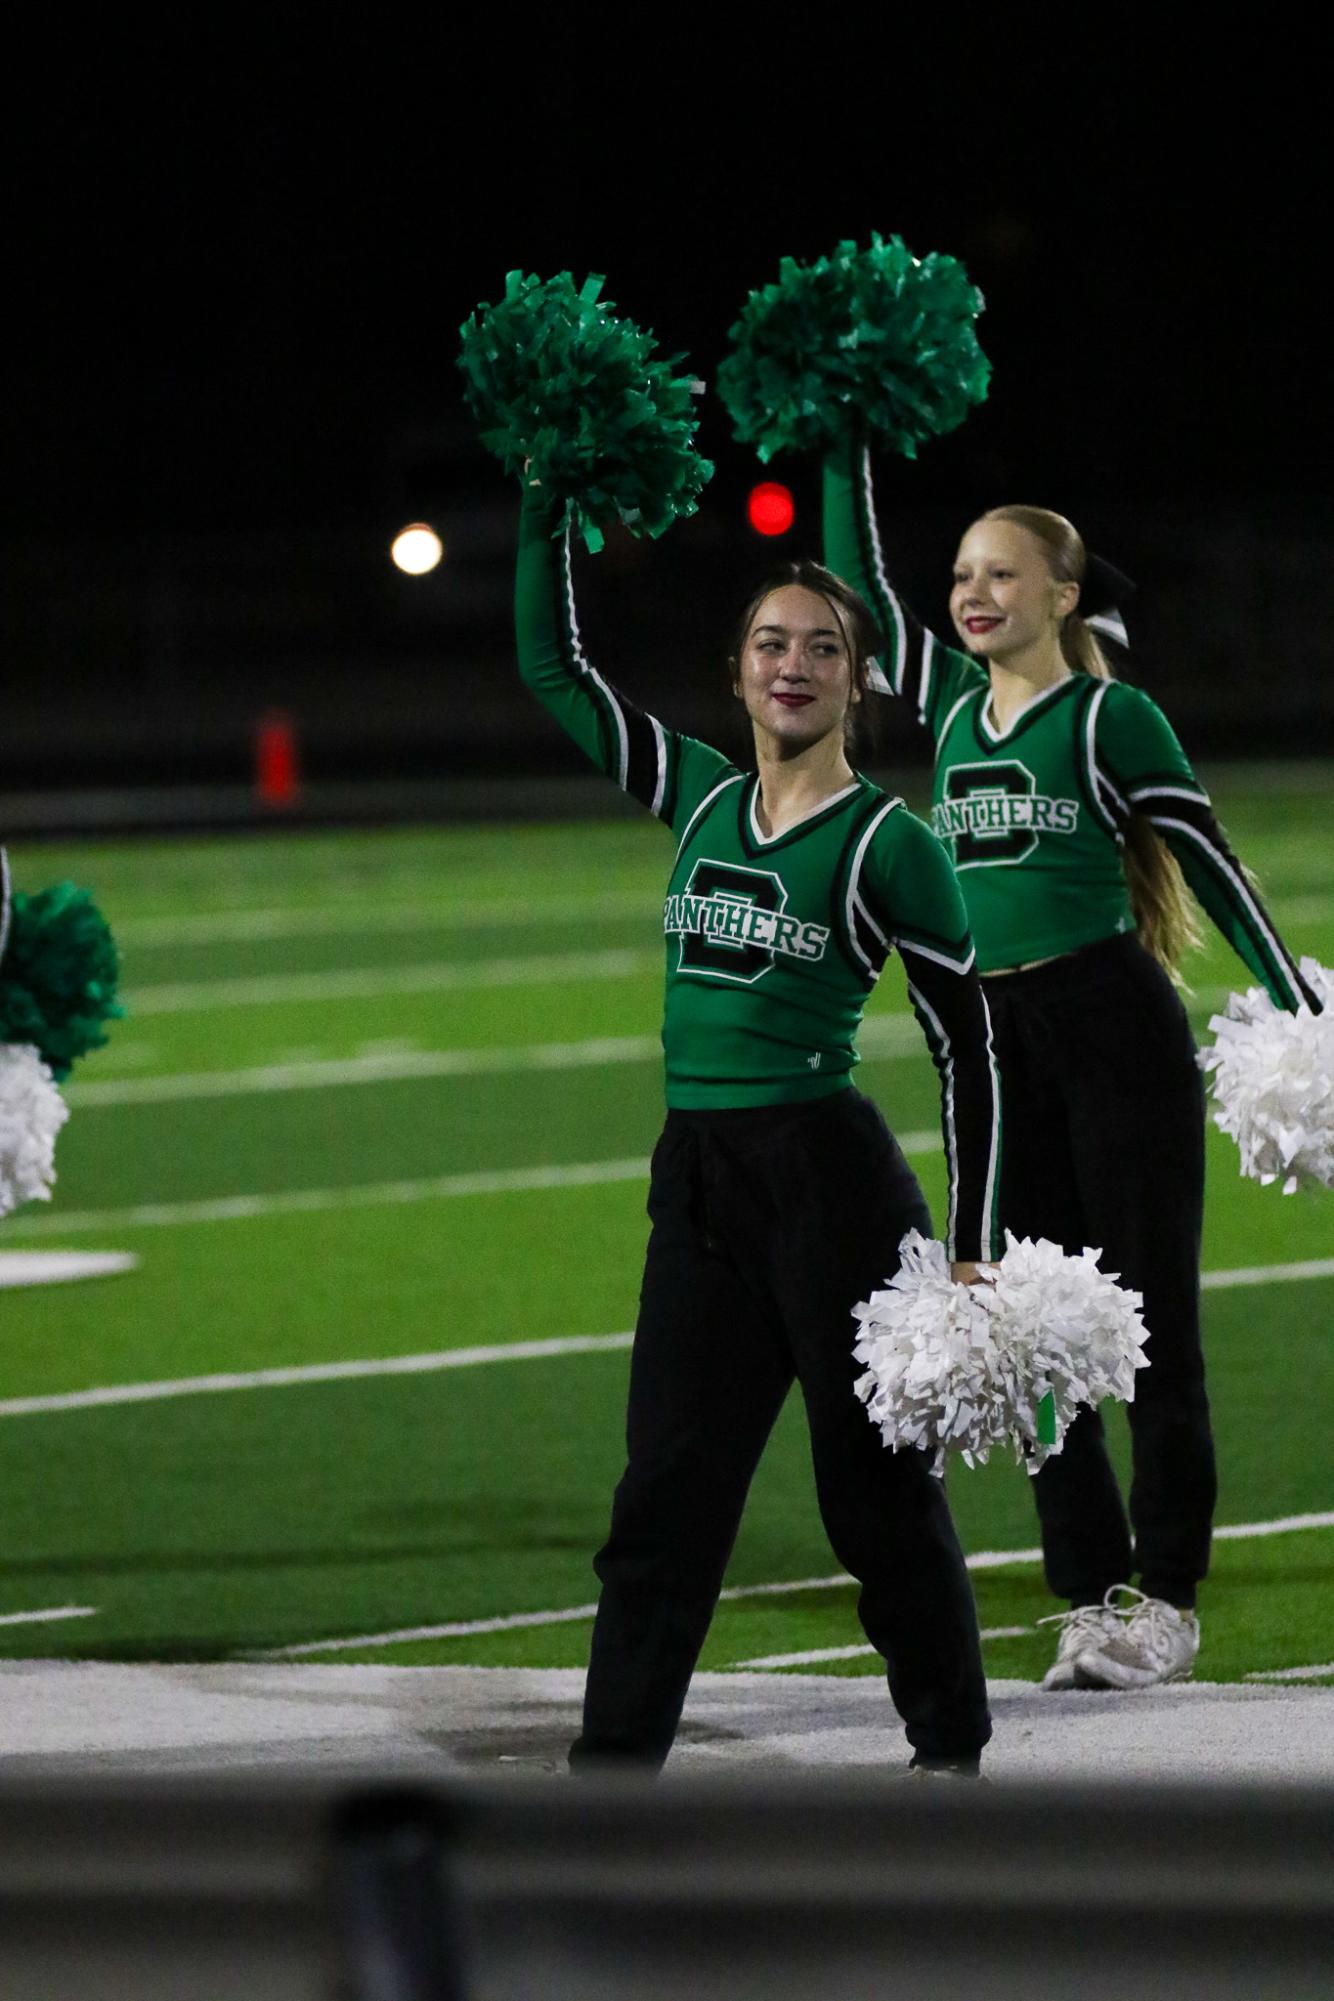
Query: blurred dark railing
x=306 y=1887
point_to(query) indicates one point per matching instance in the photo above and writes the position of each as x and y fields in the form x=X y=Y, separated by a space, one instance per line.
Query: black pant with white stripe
x=1103 y=1145
x=768 y=1225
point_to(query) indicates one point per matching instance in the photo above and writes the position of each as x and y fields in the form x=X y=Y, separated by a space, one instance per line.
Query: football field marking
x=884 y=1037
x=372 y=982
x=20 y=1269
x=493 y=1181
x=382 y=1068
x=983 y=1559
x=42 y=1618
x=304 y=1201
x=1316 y=1672
x=1213 y=1281
x=316 y=1372
x=222 y=927
x=433 y=1361
x=813 y=1655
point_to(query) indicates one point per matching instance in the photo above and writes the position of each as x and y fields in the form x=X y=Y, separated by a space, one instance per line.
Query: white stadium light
x=417 y=549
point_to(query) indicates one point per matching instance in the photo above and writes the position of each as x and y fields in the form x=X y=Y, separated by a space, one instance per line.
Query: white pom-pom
x=1273 y=1083
x=1070 y=1332
x=32 y=1112
x=970 y=1367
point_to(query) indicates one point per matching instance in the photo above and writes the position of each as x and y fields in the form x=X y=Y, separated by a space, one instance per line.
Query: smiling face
x=1005 y=599
x=795 y=670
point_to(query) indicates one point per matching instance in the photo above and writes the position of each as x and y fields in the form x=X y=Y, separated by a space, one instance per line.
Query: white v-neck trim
x=767 y=840
x=1024 y=709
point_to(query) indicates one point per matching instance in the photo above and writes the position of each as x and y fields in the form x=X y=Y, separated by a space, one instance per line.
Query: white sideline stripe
x=235 y=926
x=815 y=1654
x=1211 y=1281
x=501 y=1351
x=883 y=1037
x=371 y=982
x=983 y=1559
x=304 y=1201
x=315 y=1372
x=458 y=1629
x=374 y=1069
x=1284 y=1525
x=40 y=1618
x=804 y=1659
x=1313 y=1673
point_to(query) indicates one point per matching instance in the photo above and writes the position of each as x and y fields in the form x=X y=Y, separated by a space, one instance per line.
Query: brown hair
x=854 y=617
x=1164 y=915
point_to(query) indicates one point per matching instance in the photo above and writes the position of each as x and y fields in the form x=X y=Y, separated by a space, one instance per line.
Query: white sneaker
x=1082 y=1631
x=1150 y=1642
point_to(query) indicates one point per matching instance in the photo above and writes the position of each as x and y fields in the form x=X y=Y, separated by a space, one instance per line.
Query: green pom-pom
x=874 y=339
x=558 y=383
x=58 y=976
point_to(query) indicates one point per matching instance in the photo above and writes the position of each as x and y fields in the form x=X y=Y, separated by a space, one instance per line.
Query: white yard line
x=1314 y=1673
x=498 y=1181
x=372 y=982
x=815 y=1654
x=1268 y=1274
x=458 y=1629
x=807 y=1659
x=216 y=927
x=41 y=1618
x=1283 y=1525
x=984 y=1559
x=883 y=1037
x=435 y=1360
x=385 y=1068
x=316 y=1372
x=304 y=1201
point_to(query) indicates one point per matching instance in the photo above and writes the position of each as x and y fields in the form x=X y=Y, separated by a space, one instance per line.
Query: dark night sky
x=238 y=270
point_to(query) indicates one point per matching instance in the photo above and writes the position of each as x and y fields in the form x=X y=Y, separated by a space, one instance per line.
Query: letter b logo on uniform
x=725 y=948
x=985 y=826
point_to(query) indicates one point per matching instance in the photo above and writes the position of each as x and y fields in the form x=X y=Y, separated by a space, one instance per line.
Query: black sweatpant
x=1103 y=1145
x=768 y=1225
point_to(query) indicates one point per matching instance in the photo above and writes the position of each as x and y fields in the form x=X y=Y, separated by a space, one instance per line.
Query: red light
x=277 y=769
x=770 y=509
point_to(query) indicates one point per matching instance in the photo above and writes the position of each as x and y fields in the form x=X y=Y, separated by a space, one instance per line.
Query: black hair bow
x=1103 y=595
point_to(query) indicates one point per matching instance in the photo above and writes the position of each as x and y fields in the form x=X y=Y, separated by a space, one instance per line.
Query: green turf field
x=342 y=1124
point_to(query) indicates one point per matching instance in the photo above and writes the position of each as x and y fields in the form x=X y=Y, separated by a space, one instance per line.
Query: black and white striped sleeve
x=912 y=663
x=633 y=748
x=1137 y=765
x=903 y=892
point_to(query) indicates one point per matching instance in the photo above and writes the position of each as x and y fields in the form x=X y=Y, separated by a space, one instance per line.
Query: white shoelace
x=1085 y=1622
x=1151 y=1623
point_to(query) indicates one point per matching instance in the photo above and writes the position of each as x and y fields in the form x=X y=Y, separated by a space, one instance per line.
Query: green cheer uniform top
x=1036 y=815
x=774 y=942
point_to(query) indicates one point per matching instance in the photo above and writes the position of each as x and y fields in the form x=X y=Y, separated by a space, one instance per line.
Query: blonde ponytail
x=1163 y=907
